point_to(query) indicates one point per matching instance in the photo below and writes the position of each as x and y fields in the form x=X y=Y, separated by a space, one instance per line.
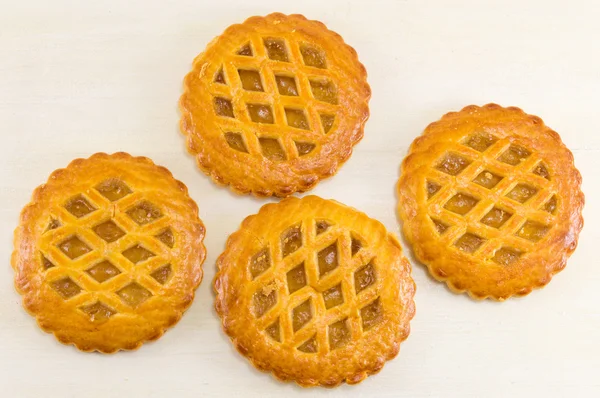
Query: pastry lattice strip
x=496 y=194
x=106 y=255
x=254 y=86
x=319 y=296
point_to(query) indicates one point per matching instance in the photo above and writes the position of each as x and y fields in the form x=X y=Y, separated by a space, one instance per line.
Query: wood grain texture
x=82 y=77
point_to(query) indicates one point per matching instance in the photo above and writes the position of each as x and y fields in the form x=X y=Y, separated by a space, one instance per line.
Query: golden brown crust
x=491 y=202
x=92 y=295
x=275 y=158
x=351 y=297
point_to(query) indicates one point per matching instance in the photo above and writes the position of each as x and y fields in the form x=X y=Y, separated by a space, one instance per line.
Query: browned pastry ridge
x=315 y=292
x=109 y=252
x=274 y=105
x=490 y=201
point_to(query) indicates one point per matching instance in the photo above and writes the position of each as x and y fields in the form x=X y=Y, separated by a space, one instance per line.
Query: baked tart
x=315 y=292
x=109 y=252
x=274 y=105
x=490 y=201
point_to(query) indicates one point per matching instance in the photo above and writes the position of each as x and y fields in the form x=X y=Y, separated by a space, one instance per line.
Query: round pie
x=275 y=104
x=315 y=292
x=491 y=201
x=109 y=252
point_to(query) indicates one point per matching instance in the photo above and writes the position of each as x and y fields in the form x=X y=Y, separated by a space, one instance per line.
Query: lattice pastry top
x=275 y=104
x=491 y=201
x=109 y=252
x=315 y=292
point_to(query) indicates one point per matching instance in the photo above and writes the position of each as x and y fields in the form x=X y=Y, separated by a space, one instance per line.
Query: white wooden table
x=77 y=77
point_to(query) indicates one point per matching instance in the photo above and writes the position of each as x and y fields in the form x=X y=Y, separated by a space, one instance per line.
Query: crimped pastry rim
x=18 y=236
x=239 y=186
x=454 y=282
x=221 y=307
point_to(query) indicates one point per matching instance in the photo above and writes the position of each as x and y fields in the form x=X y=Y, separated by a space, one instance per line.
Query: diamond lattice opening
x=276 y=49
x=134 y=294
x=74 y=247
x=324 y=90
x=440 y=227
x=328 y=259
x=309 y=346
x=272 y=149
x=66 y=287
x=53 y=224
x=469 y=242
x=304 y=148
x=533 y=230
x=109 y=231
x=261 y=113
x=542 y=171
x=487 y=179
x=223 y=107
x=339 y=334
x=452 y=164
x=296 y=278
x=264 y=299
x=136 y=254
x=364 y=277
x=296 y=118
x=327 y=122
x=162 y=274
x=46 y=263
x=220 y=77
x=461 y=203
x=551 y=204
x=321 y=226
x=432 y=188
x=522 y=193
x=144 y=213
x=236 y=141
x=371 y=314
x=514 y=155
x=251 y=80
x=166 y=237
x=291 y=240
x=98 y=312
x=496 y=217
x=79 y=206
x=113 y=189
x=480 y=141
x=506 y=255
x=274 y=331
x=355 y=245
x=301 y=315
x=286 y=85
x=103 y=271
x=246 y=50
x=333 y=297
x=260 y=262
x=313 y=57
